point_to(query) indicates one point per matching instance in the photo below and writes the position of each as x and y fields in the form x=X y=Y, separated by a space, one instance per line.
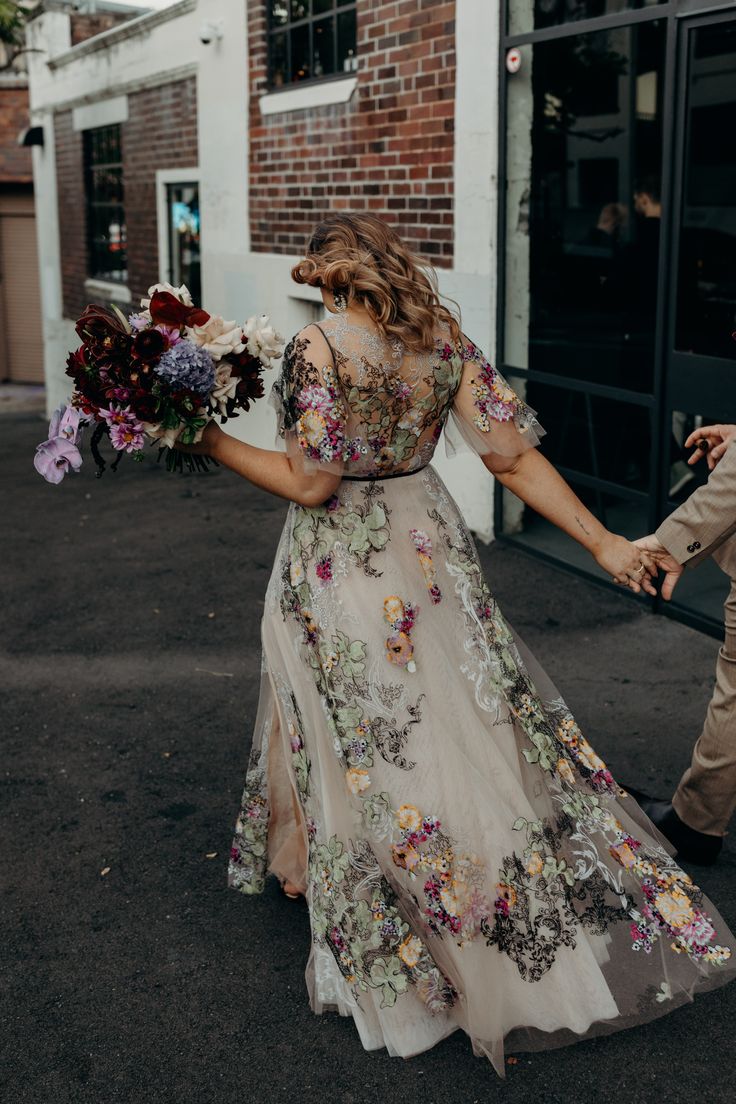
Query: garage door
x=21 y=339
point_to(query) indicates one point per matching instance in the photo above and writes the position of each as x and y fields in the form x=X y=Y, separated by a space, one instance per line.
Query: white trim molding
x=109 y=290
x=102 y=113
x=144 y=24
x=309 y=96
x=164 y=177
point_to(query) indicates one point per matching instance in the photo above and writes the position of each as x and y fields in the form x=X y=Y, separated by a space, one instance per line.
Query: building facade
x=558 y=162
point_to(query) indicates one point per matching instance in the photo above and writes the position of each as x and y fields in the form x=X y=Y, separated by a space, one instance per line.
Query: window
x=103 y=183
x=182 y=210
x=310 y=39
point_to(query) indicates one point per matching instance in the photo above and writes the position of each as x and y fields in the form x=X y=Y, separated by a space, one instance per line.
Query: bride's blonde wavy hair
x=360 y=256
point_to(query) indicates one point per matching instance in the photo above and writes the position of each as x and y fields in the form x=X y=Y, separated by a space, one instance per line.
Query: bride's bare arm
x=265 y=468
x=535 y=481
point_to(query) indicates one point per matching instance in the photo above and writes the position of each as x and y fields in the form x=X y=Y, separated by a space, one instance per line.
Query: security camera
x=210 y=31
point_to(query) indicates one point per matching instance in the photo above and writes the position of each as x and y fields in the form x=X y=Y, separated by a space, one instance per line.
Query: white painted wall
x=236 y=282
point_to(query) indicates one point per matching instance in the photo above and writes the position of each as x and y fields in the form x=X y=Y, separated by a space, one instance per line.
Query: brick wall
x=389 y=151
x=86 y=25
x=15 y=160
x=161 y=133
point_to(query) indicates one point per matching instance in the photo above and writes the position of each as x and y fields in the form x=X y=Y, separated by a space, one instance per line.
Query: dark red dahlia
x=148 y=345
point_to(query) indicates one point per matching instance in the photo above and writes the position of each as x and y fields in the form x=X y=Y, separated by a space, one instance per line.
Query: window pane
x=300 y=67
x=323 y=45
x=279 y=12
x=183 y=217
x=584 y=141
x=347 y=37
x=597 y=437
x=104 y=195
x=321 y=6
x=529 y=15
x=278 y=59
x=706 y=305
x=619 y=514
x=299 y=9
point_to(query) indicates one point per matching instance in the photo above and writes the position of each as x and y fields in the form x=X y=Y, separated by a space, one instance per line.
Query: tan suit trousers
x=706 y=796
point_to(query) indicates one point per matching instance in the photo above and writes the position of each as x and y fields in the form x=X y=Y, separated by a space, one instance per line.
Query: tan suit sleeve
x=708 y=518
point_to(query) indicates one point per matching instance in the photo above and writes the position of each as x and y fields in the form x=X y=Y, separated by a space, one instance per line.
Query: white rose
x=262 y=340
x=165 y=437
x=225 y=386
x=180 y=293
x=217 y=336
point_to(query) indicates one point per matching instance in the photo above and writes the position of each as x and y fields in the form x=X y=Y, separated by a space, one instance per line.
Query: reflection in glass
x=103 y=177
x=300 y=63
x=278 y=60
x=279 y=13
x=347 y=54
x=584 y=141
x=706 y=301
x=592 y=435
x=182 y=203
x=323 y=48
x=311 y=40
x=529 y=15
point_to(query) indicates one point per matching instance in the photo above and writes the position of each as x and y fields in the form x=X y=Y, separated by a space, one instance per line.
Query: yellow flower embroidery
x=357 y=780
x=311 y=428
x=410 y=951
x=409 y=817
x=675 y=907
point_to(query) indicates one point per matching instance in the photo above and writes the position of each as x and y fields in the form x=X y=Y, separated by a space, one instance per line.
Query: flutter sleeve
x=487 y=414
x=310 y=407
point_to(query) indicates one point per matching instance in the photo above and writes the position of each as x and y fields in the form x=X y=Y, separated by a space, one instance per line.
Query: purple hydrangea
x=186 y=365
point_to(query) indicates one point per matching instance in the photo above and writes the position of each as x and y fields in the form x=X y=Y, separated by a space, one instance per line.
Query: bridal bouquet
x=160 y=374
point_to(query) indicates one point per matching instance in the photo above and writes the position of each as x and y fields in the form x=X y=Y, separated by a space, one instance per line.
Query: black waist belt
x=380 y=478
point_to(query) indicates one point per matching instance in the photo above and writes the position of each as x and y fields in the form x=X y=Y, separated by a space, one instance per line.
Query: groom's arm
x=695 y=529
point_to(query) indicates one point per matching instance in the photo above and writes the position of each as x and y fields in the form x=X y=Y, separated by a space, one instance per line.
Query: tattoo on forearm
x=586 y=531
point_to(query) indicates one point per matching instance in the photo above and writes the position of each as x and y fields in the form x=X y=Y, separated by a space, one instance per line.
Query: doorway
x=618 y=286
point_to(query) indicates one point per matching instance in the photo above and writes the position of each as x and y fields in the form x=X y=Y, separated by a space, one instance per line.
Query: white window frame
x=163 y=178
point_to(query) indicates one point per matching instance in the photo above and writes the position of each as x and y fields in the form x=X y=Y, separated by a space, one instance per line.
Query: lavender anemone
x=186 y=365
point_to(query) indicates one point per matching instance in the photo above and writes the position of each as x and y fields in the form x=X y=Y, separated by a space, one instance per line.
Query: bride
x=467 y=859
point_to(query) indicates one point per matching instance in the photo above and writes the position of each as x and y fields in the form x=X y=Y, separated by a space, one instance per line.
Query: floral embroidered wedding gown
x=467 y=858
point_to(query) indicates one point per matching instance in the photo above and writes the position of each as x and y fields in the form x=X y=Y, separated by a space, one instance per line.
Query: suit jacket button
x=693 y=547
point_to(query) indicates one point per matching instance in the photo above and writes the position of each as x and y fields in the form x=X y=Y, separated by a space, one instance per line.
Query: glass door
x=583 y=215
x=183 y=233
x=700 y=377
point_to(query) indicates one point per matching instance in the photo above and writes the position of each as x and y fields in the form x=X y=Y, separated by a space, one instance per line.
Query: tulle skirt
x=467 y=858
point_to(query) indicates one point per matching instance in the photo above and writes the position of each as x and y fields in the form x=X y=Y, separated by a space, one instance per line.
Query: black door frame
x=679 y=17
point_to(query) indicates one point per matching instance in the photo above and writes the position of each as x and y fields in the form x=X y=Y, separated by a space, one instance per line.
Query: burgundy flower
x=98 y=324
x=166 y=310
x=148 y=345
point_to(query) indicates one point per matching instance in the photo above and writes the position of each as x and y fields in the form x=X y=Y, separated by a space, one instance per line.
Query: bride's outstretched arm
x=534 y=480
x=272 y=471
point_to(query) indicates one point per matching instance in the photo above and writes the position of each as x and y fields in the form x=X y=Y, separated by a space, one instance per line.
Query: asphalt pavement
x=129 y=666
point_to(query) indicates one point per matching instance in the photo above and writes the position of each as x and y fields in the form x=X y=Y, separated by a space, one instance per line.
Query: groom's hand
x=673 y=570
x=710 y=442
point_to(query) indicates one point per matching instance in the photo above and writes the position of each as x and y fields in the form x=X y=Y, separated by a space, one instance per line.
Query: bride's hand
x=626 y=564
x=209 y=443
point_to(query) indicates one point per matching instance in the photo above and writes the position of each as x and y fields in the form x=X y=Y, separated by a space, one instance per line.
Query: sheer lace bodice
x=352 y=401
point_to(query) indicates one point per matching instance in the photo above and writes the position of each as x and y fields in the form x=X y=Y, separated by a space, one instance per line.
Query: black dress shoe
x=692 y=846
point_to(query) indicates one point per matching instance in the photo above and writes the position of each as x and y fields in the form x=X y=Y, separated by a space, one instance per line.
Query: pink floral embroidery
x=402 y=618
x=423 y=545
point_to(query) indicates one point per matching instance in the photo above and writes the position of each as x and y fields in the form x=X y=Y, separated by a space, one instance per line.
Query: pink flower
x=171 y=333
x=324 y=569
x=60 y=452
x=126 y=436
x=118 y=415
x=55 y=457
